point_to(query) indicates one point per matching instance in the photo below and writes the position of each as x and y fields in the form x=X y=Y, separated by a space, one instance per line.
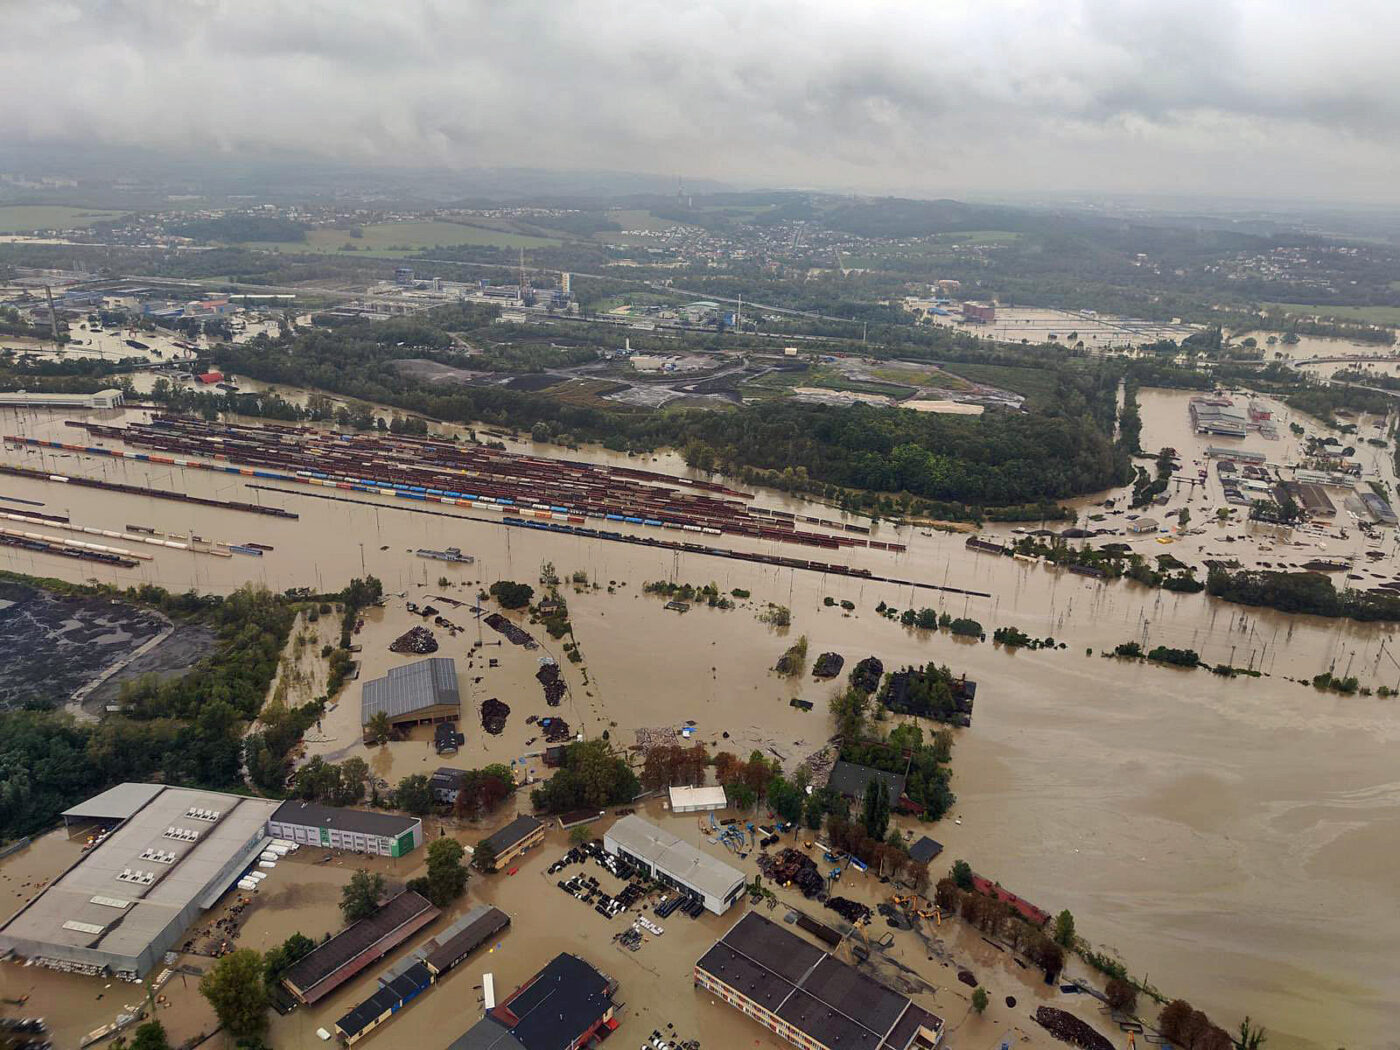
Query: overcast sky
x=930 y=97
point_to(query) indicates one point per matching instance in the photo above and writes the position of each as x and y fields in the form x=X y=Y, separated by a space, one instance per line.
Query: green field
x=1364 y=314
x=980 y=237
x=1030 y=382
x=405 y=238
x=24 y=218
x=926 y=377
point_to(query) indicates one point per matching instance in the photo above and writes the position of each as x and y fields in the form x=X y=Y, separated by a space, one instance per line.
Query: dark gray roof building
x=568 y=1003
x=925 y=850
x=852 y=780
x=423 y=691
x=809 y=997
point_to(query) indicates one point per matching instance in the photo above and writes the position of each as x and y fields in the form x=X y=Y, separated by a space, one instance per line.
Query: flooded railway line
x=134 y=490
x=644 y=541
x=443 y=472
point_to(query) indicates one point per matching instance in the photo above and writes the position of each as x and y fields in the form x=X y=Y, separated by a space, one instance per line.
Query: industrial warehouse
x=313 y=824
x=358 y=945
x=171 y=854
x=675 y=862
x=810 y=998
x=423 y=692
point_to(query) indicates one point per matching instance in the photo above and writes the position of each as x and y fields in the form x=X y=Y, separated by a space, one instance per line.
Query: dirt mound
x=493 y=716
x=418 y=640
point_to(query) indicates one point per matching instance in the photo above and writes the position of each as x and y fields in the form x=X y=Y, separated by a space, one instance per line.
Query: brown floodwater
x=1231 y=838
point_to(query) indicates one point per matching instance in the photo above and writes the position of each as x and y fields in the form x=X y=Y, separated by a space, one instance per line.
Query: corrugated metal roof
x=678 y=857
x=117 y=803
x=410 y=688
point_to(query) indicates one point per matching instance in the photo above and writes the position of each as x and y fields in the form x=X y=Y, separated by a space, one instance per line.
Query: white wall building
x=675 y=862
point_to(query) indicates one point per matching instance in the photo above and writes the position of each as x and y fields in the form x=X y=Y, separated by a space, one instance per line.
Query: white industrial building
x=675 y=862
x=23 y=399
x=171 y=854
x=697 y=799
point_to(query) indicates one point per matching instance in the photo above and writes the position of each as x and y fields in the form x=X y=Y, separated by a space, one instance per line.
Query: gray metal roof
x=410 y=688
x=116 y=803
x=675 y=856
x=354 y=821
x=853 y=780
x=136 y=920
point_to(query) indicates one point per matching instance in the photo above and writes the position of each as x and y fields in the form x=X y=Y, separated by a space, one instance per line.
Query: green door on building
x=403 y=844
x=325 y=836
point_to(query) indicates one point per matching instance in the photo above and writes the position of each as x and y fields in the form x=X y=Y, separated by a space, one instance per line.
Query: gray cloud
x=934 y=97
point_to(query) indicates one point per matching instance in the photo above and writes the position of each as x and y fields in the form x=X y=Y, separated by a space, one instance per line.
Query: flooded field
x=1042 y=324
x=1192 y=823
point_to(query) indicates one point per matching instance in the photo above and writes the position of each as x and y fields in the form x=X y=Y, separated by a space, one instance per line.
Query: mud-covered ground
x=51 y=646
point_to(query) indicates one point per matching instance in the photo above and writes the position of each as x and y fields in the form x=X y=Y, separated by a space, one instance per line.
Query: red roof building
x=211 y=377
x=1026 y=909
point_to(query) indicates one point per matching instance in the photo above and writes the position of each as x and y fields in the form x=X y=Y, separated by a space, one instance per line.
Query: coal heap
x=418 y=640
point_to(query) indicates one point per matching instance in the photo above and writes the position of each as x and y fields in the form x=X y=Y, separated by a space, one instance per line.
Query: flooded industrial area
x=1229 y=838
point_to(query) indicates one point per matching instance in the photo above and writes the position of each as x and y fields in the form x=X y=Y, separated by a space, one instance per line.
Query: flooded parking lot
x=1191 y=822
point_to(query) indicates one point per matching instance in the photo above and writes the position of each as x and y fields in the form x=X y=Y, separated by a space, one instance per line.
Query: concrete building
x=675 y=862
x=567 y=1005
x=313 y=824
x=807 y=997
x=1216 y=452
x=420 y=693
x=1142 y=526
x=102 y=399
x=697 y=799
x=171 y=854
x=515 y=838
x=980 y=313
x=358 y=945
x=1217 y=415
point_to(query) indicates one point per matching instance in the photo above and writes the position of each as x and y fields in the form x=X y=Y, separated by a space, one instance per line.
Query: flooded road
x=1229 y=837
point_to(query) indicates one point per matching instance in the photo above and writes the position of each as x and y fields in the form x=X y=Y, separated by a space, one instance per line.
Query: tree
x=379 y=730
x=579 y=835
x=150 y=1036
x=359 y=898
x=485 y=856
x=980 y=999
x=415 y=794
x=278 y=960
x=1121 y=995
x=877 y=808
x=1251 y=1036
x=446 y=878
x=962 y=874
x=1063 y=934
x=236 y=989
x=512 y=595
x=1183 y=519
x=785 y=798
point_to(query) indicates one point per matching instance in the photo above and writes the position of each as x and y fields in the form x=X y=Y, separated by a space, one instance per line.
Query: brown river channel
x=1234 y=840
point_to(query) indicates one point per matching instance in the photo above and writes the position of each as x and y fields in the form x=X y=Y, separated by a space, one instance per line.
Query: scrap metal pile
x=1071 y=1029
x=793 y=868
x=548 y=676
x=853 y=912
x=556 y=730
x=497 y=622
x=418 y=640
x=493 y=716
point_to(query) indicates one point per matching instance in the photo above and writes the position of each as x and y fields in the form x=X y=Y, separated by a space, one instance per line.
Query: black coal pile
x=968 y=978
x=1071 y=1029
x=497 y=622
x=792 y=867
x=493 y=716
x=418 y=640
x=828 y=665
x=555 y=730
x=852 y=911
x=548 y=676
x=867 y=674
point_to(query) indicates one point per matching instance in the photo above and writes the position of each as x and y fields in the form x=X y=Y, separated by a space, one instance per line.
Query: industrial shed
x=423 y=692
x=358 y=945
x=123 y=904
x=676 y=862
x=515 y=838
x=697 y=799
x=313 y=824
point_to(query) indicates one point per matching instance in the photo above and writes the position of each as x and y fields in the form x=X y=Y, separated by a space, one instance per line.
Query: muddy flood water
x=1231 y=839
